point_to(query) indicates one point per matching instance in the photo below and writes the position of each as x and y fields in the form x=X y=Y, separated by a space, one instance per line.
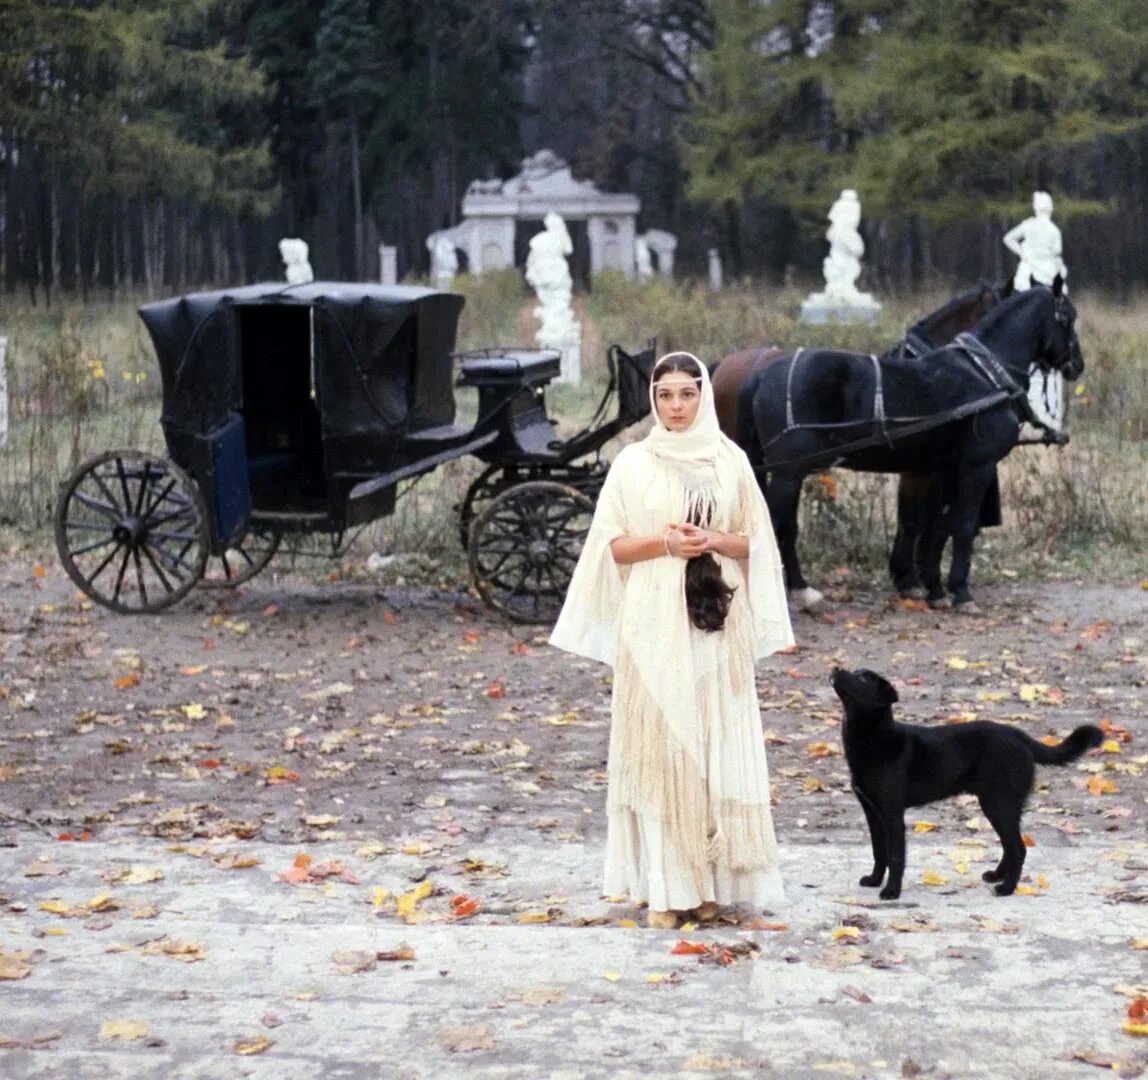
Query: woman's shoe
x=707 y=912
x=662 y=920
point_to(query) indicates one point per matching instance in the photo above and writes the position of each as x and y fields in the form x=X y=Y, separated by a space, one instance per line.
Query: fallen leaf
x=127 y=1030
x=194 y=711
x=126 y=682
x=535 y=917
x=924 y=826
x=689 y=948
x=611 y=976
x=408 y=902
x=842 y=933
x=247 y=1047
x=463 y=906
x=186 y=951
x=353 y=962
x=279 y=774
x=857 y=995
x=934 y=877
x=403 y=953
x=496 y=689
x=1097 y=785
x=463 y=1040
x=322 y=821
x=14 y=965
x=627 y=924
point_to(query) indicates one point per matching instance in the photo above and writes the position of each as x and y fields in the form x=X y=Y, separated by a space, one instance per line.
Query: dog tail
x=1081 y=740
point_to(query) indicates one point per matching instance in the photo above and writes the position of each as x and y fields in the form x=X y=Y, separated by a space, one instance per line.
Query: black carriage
x=302 y=411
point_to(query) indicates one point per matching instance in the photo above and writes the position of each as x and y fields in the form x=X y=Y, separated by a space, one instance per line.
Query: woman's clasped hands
x=687 y=541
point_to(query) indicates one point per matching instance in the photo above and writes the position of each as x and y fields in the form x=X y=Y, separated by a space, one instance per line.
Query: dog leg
x=1005 y=819
x=876 y=839
x=895 y=850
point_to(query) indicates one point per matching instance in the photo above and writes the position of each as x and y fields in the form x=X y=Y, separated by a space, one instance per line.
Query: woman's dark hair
x=708 y=597
x=678 y=362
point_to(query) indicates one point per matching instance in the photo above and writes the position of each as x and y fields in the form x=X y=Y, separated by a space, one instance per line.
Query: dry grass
x=83 y=380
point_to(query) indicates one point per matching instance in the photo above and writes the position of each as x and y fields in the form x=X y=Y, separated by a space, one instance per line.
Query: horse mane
x=944 y=312
x=990 y=318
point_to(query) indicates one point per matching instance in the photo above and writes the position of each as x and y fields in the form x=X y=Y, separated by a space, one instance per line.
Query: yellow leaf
x=409 y=901
x=193 y=669
x=845 y=932
x=1140 y=943
x=811 y=785
x=1042 y=881
x=657 y=977
x=688 y=927
x=957 y=663
x=139 y=875
x=993 y=695
x=1025 y=890
x=123 y=1029
x=14 y=965
x=55 y=907
x=934 y=877
x=253 y=1046
x=194 y=711
x=55 y=931
x=628 y=924
x=1133 y=1028
x=1110 y=746
x=1097 y=785
x=380 y=896
x=534 y=917
x=103 y=902
x=1031 y=691
x=924 y=826
x=611 y=976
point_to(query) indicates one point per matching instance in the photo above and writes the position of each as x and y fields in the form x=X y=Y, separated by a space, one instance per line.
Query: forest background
x=168 y=143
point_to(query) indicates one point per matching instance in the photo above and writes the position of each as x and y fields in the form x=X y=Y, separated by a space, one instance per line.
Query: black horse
x=953 y=413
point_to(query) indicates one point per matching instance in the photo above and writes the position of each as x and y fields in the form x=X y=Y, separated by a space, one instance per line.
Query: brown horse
x=935 y=329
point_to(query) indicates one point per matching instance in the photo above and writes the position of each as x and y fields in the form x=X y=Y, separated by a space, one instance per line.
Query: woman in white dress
x=679 y=588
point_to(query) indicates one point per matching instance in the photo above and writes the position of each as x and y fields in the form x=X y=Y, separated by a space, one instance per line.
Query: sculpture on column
x=548 y=275
x=1036 y=242
x=444 y=259
x=294 y=254
x=643 y=261
x=842 y=300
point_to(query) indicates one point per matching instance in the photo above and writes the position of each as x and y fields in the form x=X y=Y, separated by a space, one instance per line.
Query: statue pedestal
x=570 y=346
x=820 y=308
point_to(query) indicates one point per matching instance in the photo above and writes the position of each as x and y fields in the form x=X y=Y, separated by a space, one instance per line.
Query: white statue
x=1036 y=242
x=549 y=276
x=715 y=274
x=444 y=259
x=841 y=298
x=293 y=252
x=643 y=260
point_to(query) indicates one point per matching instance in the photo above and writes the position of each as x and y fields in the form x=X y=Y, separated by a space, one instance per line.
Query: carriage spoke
x=156 y=567
x=93 y=546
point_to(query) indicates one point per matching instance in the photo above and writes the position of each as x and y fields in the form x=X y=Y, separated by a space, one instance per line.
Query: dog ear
x=886 y=691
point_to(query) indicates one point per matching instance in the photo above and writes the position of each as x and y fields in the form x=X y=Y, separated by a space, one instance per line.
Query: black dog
x=895 y=765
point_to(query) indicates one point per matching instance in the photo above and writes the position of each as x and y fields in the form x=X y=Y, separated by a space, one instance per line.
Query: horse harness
x=982 y=361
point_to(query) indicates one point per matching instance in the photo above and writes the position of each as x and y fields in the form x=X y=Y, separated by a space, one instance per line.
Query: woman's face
x=677 y=397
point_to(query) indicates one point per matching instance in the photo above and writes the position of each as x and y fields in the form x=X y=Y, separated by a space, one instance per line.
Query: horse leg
x=912 y=492
x=965 y=513
x=930 y=547
x=783 y=494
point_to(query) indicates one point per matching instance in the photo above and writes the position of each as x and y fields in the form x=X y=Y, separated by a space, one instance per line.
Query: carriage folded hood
x=381 y=354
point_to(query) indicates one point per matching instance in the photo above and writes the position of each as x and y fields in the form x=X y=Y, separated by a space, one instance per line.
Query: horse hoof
x=940 y=602
x=808 y=599
x=968 y=607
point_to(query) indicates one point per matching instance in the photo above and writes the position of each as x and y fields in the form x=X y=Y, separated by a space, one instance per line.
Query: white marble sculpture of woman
x=643 y=260
x=842 y=266
x=548 y=275
x=1036 y=242
x=294 y=253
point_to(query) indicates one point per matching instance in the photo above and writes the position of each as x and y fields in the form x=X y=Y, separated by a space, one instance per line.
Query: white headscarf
x=694 y=453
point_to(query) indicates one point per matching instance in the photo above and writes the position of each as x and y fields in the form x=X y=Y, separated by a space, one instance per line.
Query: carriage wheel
x=489 y=483
x=242 y=561
x=524 y=546
x=131 y=531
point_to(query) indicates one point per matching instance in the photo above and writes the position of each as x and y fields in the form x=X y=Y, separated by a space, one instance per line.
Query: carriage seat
x=509 y=367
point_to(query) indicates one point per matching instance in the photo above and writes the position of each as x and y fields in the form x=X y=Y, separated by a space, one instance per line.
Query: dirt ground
x=292 y=712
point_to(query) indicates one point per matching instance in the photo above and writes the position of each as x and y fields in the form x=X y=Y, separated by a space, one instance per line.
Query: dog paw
x=992 y=875
x=890 y=893
x=871 y=881
x=1004 y=889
